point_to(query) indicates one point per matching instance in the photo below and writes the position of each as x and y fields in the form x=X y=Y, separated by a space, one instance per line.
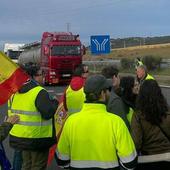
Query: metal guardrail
x=164 y=64
x=164 y=86
x=96 y=66
x=166 y=93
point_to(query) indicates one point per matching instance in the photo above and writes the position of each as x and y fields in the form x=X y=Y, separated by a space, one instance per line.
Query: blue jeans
x=17 y=160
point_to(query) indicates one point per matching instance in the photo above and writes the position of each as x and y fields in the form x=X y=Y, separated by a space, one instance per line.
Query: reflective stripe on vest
x=24 y=112
x=45 y=123
x=93 y=164
x=31 y=124
x=74 y=100
x=126 y=159
x=101 y=137
x=63 y=156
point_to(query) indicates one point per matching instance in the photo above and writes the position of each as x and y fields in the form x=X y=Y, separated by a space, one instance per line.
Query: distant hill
x=138 y=41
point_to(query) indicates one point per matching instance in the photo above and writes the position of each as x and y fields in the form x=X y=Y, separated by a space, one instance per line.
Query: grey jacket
x=116 y=105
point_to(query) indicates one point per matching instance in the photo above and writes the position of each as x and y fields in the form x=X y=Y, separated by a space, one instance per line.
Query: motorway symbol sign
x=100 y=44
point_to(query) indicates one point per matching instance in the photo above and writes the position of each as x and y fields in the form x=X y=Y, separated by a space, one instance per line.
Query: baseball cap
x=96 y=83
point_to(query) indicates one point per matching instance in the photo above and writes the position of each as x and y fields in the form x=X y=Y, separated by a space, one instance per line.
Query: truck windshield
x=13 y=54
x=65 y=50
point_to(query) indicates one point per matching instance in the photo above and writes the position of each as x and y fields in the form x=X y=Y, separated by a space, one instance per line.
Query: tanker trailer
x=31 y=53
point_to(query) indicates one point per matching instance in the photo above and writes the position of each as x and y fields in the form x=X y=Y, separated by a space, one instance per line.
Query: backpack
x=4 y=162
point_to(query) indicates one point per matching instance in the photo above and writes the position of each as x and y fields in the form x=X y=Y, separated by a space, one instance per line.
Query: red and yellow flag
x=12 y=78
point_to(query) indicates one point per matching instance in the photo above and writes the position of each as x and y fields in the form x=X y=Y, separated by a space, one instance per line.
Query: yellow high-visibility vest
x=94 y=137
x=31 y=124
x=74 y=100
x=130 y=114
x=149 y=77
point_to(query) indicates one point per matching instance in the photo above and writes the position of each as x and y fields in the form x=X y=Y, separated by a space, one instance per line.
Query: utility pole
x=140 y=42
x=68 y=27
x=124 y=44
x=144 y=41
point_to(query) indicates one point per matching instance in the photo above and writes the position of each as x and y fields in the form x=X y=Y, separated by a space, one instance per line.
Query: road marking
x=59 y=94
x=50 y=91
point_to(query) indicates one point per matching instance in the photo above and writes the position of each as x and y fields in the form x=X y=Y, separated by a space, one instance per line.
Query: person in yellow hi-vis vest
x=34 y=134
x=128 y=93
x=142 y=74
x=94 y=138
x=74 y=96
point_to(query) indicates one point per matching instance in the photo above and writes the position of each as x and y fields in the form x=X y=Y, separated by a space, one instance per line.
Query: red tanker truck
x=58 y=54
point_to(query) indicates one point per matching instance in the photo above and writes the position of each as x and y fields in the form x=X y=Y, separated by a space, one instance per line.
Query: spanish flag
x=12 y=78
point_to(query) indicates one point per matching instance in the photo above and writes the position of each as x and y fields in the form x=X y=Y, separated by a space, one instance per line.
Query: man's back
x=96 y=137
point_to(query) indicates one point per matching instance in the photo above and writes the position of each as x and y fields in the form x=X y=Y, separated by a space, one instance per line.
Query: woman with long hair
x=150 y=128
x=128 y=90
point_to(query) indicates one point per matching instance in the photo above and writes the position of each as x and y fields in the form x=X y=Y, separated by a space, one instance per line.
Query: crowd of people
x=113 y=122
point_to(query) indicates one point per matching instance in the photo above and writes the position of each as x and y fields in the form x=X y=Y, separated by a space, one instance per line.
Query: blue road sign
x=100 y=44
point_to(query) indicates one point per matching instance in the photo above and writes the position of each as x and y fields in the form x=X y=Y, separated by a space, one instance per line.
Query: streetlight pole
x=124 y=44
x=68 y=27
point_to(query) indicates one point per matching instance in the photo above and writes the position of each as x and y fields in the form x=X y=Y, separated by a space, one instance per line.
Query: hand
x=13 y=119
x=116 y=82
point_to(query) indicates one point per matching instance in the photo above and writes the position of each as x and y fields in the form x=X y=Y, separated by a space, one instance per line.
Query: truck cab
x=61 y=53
x=58 y=53
x=13 y=51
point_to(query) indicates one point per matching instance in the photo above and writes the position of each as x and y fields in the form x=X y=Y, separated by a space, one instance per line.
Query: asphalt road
x=57 y=91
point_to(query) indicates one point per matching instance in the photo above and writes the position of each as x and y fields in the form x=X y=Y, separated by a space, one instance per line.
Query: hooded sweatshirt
x=76 y=84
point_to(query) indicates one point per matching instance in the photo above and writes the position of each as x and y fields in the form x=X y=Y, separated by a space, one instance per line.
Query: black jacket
x=47 y=107
x=4 y=130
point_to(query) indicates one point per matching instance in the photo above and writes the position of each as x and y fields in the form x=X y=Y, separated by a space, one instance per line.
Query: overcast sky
x=24 y=21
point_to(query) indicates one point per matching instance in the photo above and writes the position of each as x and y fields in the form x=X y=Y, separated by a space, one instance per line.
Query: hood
x=77 y=83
